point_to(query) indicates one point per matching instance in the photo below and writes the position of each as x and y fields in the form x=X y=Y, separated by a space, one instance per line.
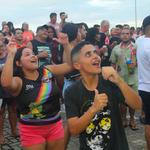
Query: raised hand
x=43 y=54
x=62 y=38
x=110 y=74
x=11 y=47
x=100 y=101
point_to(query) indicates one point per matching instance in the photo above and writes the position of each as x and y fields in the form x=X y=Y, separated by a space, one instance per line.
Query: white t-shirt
x=143 y=60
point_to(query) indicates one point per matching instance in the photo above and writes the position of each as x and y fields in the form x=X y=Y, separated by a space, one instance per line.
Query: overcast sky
x=36 y=12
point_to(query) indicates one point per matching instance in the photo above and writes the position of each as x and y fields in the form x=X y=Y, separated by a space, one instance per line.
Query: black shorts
x=146 y=105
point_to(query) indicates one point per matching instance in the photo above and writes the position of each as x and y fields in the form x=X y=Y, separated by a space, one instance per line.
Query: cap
x=42 y=27
x=146 y=22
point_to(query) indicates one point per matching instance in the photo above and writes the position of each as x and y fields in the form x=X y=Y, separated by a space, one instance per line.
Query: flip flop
x=133 y=126
x=15 y=135
x=142 y=120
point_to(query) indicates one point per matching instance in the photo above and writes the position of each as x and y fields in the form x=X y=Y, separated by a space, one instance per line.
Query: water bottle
x=106 y=52
x=129 y=65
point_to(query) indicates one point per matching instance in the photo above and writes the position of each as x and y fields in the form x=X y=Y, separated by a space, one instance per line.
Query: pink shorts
x=31 y=135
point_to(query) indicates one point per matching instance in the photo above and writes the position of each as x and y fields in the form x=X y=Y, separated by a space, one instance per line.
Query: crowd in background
x=116 y=47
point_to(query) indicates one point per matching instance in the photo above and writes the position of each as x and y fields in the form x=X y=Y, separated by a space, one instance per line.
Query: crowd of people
x=94 y=74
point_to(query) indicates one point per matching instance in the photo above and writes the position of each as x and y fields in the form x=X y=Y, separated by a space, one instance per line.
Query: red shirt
x=22 y=45
x=27 y=36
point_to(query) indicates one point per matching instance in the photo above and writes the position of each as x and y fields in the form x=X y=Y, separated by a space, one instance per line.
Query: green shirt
x=126 y=62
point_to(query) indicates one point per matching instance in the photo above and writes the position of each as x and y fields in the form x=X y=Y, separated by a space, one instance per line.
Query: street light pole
x=135 y=14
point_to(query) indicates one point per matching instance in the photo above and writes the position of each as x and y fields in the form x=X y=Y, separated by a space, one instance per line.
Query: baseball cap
x=146 y=22
x=42 y=27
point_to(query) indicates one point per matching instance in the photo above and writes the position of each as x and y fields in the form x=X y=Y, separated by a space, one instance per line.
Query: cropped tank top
x=38 y=101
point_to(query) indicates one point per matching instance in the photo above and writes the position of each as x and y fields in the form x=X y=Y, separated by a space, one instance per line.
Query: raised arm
x=67 y=66
x=131 y=97
x=12 y=84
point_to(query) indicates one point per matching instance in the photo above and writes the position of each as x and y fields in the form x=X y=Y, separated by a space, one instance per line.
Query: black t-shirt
x=105 y=131
x=39 y=47
x=102 y=39
x=72 y=75
x=104 y=59
x=38 y=101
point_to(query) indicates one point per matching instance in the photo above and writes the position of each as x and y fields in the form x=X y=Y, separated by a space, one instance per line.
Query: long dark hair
x=17 y=69
x=11 y=27
x=71 y=30
x=54 y=31
x=90 y=37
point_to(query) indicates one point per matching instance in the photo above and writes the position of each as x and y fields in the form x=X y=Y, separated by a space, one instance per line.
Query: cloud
x=104 y=3
x=36 y=12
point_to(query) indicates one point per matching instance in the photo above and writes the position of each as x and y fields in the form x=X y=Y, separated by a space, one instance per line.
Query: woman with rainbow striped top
x=40 y=124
